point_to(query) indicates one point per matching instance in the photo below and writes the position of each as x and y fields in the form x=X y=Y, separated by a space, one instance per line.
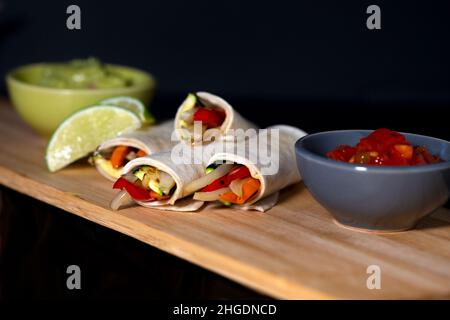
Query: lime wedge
x=82 y=132
x=131 y=104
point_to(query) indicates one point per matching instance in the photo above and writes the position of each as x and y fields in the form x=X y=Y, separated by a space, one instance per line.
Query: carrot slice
x=229 y=197
x=141 y=153
x=249 y=188
x=118 y=156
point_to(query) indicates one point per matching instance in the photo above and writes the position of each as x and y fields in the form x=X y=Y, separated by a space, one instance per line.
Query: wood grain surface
x=294 y=251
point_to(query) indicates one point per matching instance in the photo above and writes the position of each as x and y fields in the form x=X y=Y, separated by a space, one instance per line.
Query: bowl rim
x=304 y=152
x=12 y=79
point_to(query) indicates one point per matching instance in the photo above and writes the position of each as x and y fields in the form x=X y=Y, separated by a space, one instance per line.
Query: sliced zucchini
x=146 y=168
x=94 y=157
x=107 y=167
x=139 y=174
x=211 y=167
x=141 y=171
x=189 y=102
x=158 y=181
x=154 y=185
x=183 y=124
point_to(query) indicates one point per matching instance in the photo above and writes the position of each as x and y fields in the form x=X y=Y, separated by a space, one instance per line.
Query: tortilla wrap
x=180 y=172
x=284 y=166
x=152 y=139
x=233 y=120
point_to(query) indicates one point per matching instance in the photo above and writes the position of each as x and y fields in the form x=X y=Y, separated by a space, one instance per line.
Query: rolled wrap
x=153 y=139
x=233 y=120
x=287 y=173
x=181 y=173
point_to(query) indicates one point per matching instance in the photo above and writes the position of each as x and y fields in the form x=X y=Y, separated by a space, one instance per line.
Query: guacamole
x=81 y=74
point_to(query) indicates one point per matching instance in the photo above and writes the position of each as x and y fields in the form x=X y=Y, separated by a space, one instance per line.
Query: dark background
x=312 y=64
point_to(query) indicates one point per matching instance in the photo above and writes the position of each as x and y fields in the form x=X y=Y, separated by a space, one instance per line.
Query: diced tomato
x=378 y=161
x=212 y=118
x=423 y=156
x=342 y=153
x=403 y=150
x=136 y=192
x=419 y=159
x=238 y=173
x=387 y=137
x=383 y=147
x=381 y=140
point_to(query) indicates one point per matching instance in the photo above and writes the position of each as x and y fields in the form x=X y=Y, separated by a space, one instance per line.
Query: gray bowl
x=374 y=198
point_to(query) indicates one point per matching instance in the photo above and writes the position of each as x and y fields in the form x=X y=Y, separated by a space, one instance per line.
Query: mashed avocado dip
x=81 y=74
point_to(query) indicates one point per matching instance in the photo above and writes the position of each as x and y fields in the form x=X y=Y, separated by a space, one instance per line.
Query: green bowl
x=45 y=108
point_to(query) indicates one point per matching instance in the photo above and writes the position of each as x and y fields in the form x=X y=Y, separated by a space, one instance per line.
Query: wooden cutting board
x=293 y=251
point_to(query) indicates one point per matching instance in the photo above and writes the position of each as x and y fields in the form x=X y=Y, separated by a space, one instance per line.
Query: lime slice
x=131 y=104
x=82 y=132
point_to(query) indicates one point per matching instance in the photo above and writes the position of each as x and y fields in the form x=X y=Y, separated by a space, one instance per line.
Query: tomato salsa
x=384 y=147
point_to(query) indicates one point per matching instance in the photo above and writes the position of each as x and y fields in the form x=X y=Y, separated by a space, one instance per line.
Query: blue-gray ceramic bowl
x=374 y=198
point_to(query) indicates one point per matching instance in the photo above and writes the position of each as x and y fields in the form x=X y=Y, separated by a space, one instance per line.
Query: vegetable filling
x=227 y=183
x=114 y=159
x=194 y=111
x=145 y=183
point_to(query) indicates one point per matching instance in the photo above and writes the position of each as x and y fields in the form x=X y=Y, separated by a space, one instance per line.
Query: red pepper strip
x=134 y=191
x=212 y=118
x=239 y=173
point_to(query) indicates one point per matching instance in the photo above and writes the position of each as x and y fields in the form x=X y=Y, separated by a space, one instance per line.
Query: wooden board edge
x=203 y=257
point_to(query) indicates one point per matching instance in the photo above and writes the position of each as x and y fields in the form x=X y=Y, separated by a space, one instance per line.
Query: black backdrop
x=313 y=64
